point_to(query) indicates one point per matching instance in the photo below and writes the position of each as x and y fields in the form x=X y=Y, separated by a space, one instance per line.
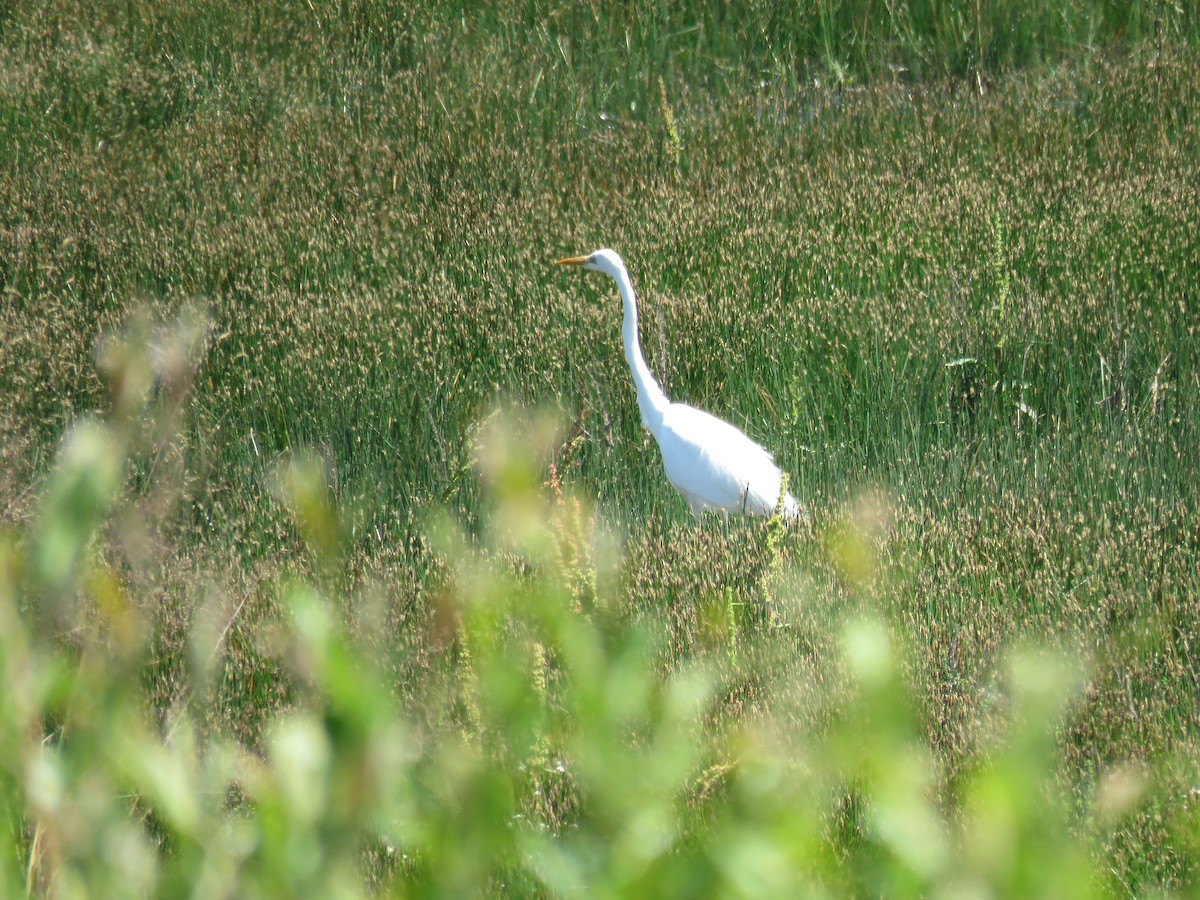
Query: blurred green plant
x=550 y=757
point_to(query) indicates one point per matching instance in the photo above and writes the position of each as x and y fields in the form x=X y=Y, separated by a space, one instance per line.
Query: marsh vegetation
x=334 y=560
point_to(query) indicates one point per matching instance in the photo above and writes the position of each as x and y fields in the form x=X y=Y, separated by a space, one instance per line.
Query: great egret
x=710 y=462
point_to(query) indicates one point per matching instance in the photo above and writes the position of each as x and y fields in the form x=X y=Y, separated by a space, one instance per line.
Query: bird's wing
x=714 y=464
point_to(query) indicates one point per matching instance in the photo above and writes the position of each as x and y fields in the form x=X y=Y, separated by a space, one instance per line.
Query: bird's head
x=605 y=261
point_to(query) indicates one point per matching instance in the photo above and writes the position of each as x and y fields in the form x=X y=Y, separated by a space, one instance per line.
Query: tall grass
x=941 y=259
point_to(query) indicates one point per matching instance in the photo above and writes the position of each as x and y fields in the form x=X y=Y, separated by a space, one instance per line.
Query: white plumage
x=710 y=462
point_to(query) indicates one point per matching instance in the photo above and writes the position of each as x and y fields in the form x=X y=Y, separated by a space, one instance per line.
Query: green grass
x=941 y=258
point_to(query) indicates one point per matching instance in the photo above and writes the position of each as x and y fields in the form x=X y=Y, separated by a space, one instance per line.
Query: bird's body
x=713 y=464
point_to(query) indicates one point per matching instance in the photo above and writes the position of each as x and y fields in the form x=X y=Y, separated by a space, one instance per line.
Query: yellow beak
x=572 y=261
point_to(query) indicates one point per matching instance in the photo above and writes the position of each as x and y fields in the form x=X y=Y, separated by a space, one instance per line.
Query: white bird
x=710 y=462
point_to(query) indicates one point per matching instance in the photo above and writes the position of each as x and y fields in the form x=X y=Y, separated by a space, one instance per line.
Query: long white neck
x=652 y=401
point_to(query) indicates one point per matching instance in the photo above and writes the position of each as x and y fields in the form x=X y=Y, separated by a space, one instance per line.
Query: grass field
x=333 y=557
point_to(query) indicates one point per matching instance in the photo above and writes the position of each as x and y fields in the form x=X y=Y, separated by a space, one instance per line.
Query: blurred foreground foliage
x=544 y=752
